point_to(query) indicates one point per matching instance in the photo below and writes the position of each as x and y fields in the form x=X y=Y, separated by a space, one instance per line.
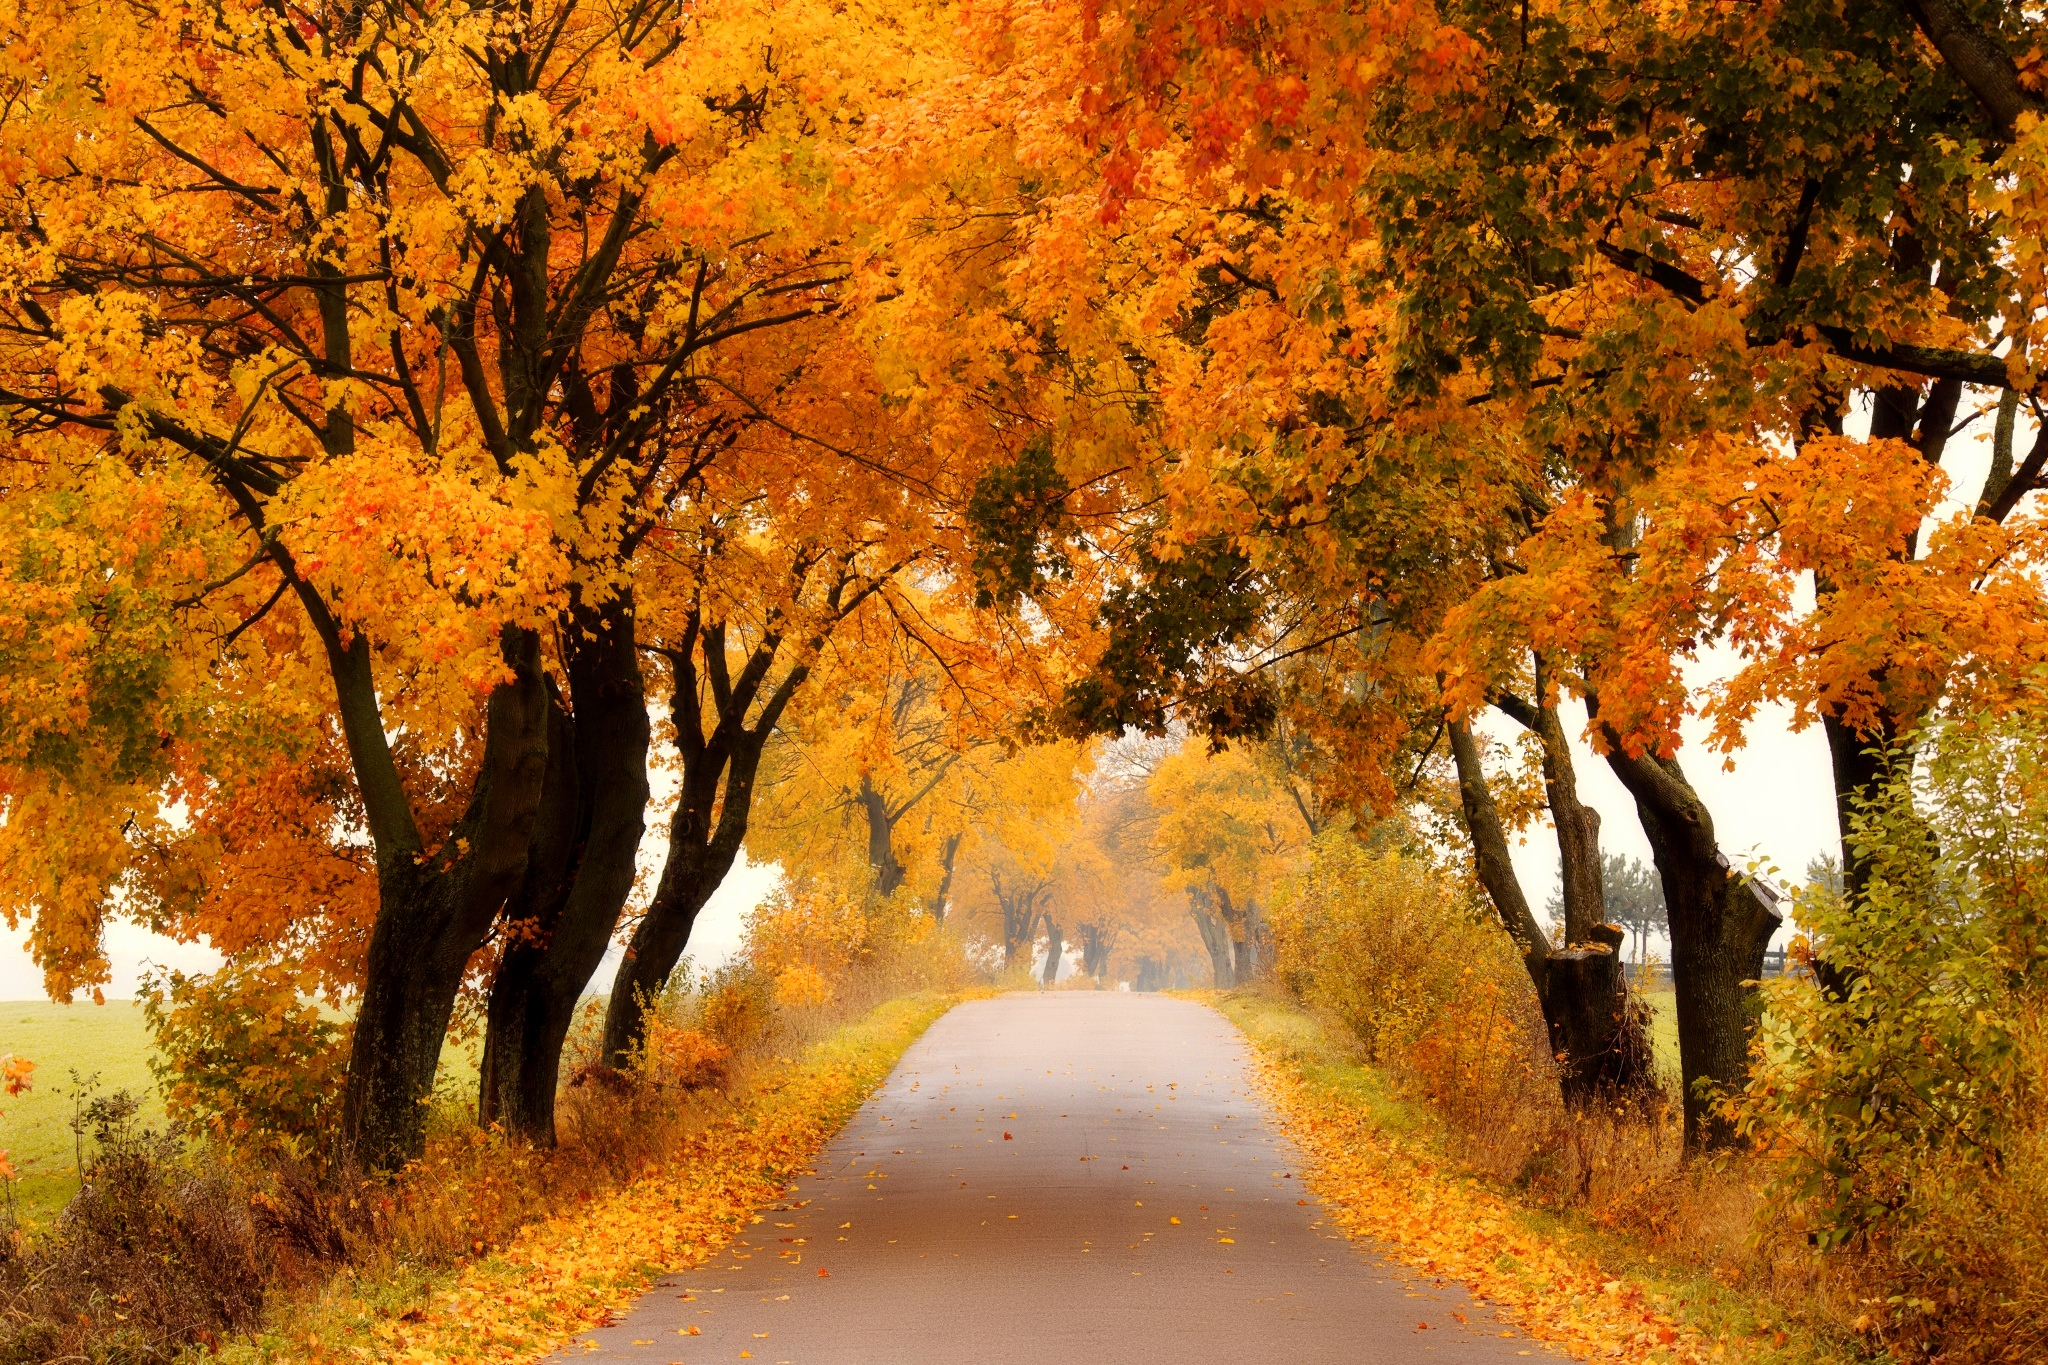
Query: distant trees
x=1634 y=899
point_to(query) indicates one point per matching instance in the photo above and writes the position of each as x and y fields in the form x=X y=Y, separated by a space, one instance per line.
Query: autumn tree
x=1225 y=833
x=428 y=347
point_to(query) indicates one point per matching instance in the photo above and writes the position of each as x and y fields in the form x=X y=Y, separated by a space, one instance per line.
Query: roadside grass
x=1385 y=1167
x=571 y=1269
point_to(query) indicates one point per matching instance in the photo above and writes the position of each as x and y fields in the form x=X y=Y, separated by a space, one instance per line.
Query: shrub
x=243 y=1055
x=1393 y=950
x=1899 y=1085
x=154 y=1254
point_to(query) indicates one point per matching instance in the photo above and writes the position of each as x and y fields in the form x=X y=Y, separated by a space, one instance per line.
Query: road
x=1057 y=1177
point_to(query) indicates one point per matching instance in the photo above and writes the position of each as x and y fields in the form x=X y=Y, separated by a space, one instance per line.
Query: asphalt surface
x=1065 y=1176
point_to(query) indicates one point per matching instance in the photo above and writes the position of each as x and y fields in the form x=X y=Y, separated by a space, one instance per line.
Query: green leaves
x=1017 y=513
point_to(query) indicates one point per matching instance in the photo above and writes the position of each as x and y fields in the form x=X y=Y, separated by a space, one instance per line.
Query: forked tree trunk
x=712 y=809
x=578 y=876
x=1055 y=950
x=1599 y=1033
x=1095 y=945
x=1020 y=917
x=434 y=909
x=1215 y=937
x=1594 y=1032
x=888 y=872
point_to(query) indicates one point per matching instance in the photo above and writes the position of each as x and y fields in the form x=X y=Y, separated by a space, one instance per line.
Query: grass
x=83 y=1048
x=1723 y=1321
x=103 y=1045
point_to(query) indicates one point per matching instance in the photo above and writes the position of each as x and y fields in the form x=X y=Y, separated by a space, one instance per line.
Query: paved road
x=1060 y=1177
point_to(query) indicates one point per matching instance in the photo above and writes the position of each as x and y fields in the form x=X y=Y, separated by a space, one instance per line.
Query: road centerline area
x=1055 y=1176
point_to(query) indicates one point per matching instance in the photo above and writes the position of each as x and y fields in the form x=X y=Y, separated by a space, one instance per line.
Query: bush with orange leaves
x=816 y=945
x=15 y=1077
x=1392 y=949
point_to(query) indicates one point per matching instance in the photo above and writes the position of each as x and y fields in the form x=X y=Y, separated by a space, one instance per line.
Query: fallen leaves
x=1376 y=1187
x=571 y=1272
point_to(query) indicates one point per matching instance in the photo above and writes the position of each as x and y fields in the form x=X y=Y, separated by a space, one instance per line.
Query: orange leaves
x=573 y=1270
x=15 y=1077
x=1377 y=1187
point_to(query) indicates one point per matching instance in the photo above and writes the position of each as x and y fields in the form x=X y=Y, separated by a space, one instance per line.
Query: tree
x=895 y=758
x=1225 y=832
x=428 y=347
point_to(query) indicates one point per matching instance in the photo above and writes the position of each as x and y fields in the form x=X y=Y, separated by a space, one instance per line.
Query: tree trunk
x=1215 y=937
x=434 y=909
x=1095 y=944
x=946 y=862
x=1720 y=925
x=1055 y=950
x=1020 y=917
x=579 y=874
x=719 y=770
x=889 y=873
x=515 y=1017
x=1595 y=1032
x=692 y=873
x=1253 y=957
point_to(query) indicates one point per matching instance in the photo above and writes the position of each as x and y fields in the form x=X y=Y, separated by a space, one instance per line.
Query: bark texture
x=434 y=911
x=1596 y=1032
x=720 y=747
x=1215 y=932
x=578 y=875
x=1720 y=925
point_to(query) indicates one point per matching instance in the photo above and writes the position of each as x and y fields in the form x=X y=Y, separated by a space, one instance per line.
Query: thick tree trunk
x=945 y=891
x=515 y=1018
x=719 y=771
x=889 y=873
x=1215 y=937
x=578 y=877
x=1595 y=1032
x=1020 y=918
x=1720 y=926
x=1603 y=1040
x=693 y=872
x=434 y=911
x=1055 y=950
x=1095 y=944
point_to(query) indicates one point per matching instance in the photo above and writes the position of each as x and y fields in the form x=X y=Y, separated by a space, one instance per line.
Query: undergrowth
x=183 y=1244
x=1611 y=1248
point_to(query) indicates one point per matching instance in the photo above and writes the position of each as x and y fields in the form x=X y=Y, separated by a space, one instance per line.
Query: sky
x=1775 y=803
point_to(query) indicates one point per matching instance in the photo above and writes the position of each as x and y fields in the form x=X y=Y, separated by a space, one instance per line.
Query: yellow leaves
x=429 y=561
x=1377 y=1187
x=573 y=1270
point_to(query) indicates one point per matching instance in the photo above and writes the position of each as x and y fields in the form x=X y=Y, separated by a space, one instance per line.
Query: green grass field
x=109 y=1042
x=108 y=1046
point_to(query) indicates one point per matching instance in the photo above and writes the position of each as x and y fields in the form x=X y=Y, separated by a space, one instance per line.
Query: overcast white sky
x=1777 y=803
